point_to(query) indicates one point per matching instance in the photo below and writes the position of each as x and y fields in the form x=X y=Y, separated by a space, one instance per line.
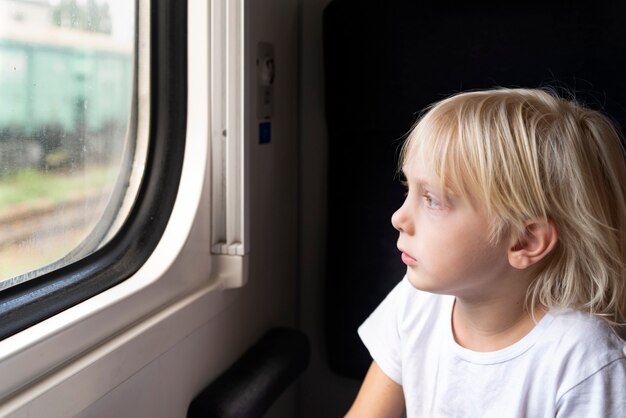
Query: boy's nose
x=401 y=221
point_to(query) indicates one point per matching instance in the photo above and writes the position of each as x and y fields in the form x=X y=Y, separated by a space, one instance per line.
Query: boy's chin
x=423 y=284
x=418 y=282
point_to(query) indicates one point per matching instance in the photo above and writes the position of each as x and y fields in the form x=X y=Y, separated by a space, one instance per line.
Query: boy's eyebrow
x=420 y=180
x=423 y=182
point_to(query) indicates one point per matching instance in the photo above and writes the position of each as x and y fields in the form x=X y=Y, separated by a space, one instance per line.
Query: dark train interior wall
x=322 y=393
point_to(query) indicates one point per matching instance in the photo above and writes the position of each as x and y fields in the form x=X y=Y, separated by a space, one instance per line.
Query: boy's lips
x=406 y=258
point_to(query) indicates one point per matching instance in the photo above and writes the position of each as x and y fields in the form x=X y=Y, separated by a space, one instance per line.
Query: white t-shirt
x=570 y=365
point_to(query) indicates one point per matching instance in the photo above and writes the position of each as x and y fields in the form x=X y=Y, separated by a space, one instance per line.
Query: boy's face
x=444 y=240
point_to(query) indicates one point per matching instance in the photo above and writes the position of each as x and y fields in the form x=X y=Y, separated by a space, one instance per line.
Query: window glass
x=67 y=130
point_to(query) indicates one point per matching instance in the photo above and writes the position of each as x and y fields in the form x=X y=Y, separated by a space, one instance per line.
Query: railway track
x=23 y=225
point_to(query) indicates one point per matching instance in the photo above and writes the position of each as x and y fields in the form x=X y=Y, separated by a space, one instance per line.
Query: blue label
x=265 y=132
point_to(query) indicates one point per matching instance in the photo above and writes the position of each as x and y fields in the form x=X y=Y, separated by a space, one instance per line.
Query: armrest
x=251 y=385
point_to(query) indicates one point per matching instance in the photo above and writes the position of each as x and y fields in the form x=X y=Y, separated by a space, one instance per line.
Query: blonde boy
x=513 y=232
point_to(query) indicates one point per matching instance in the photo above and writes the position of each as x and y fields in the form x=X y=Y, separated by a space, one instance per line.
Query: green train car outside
x=49 y=82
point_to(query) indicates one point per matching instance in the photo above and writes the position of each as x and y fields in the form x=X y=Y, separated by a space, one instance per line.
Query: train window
x=70 y=157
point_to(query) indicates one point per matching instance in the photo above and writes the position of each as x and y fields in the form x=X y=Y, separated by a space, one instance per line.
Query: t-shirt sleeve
x=600 y=395
x=380 y=332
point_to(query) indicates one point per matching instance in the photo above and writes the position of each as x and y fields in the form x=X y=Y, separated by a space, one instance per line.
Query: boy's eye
x=431 y=202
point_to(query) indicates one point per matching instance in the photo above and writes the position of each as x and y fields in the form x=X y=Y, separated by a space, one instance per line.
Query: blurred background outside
x=66 y=81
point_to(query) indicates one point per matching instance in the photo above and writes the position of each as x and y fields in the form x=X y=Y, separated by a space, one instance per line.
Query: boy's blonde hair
x=529 y=155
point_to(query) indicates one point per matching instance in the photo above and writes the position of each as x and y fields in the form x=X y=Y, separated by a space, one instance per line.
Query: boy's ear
x=540 y=237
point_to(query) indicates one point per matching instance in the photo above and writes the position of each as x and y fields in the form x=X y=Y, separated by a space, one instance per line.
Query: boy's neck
x=493 y=325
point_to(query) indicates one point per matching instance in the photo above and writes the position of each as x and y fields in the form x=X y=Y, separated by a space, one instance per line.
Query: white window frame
x=65 y=356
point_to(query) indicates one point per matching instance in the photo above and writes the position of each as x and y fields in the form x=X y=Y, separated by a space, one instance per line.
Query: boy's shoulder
x=570 y=327
x=580 y=342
